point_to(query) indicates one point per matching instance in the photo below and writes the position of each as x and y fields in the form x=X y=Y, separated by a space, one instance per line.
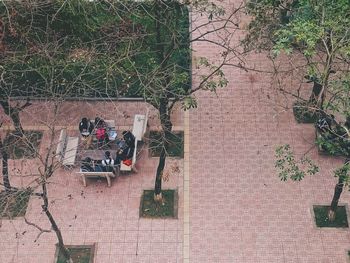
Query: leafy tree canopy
x=92 y=48
x=319 y=30
x=304 y=25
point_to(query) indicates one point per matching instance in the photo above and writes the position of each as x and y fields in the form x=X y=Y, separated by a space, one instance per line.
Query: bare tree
x=140 y=49
x=169 y=83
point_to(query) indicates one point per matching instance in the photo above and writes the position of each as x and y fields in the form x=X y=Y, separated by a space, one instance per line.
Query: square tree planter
x=19 y=148
x=331 y=147
x=14 y=204
x=320 y=213
x=303 y=114
x=175 y=147
x=166 y=209
x=79 y=254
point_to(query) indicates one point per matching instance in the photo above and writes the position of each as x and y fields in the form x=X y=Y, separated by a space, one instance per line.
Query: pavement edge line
x=186 y=191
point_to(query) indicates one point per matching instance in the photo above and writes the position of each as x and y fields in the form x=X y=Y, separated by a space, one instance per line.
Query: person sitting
x=121 y=144
x=129 y=152
x=99 y=168
x=87 y=165
x=102 y=136
x=123 y=154
x=100 y=123
x=129 y=138
x=119 y=156
x=108 y=162
x=85 y=127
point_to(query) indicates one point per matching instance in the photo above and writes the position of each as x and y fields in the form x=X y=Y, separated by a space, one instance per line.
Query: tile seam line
x=186 y=187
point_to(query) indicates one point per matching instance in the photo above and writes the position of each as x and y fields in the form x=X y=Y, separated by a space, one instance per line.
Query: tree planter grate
x=166 y=209
x=14 y=204
x=322 y=220
x=79 y=254
x=27 y=147
x=175 y=147
x=303 y=114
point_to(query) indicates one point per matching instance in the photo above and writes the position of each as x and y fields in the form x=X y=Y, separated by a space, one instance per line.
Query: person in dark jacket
x=86 y=127
x=87 y=165
x=129 y=138
x=124 y=154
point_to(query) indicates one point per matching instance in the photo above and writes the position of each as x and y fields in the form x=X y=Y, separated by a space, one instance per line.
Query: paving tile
x=104 y=248
x=117 y=248
x=131 y=236
x=157 y=236
x=130 y=248
x=146 y=224
x=118 y=236
x=104 y=258
x=143 y=248
x=145 y=236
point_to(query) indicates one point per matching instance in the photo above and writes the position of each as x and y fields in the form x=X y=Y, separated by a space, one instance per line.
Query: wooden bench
x=138 y=130
x=107 y=175
x=140 y=125
x=67 y=147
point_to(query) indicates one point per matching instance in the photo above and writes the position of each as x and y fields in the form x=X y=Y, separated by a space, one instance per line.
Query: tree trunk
x=5 y=168
x=13 y=113
x=337 y=192
x=316 y=90
x=166 y=127
x=319 y=89
x=17 y=122
x=45 y=207
x=158 y=182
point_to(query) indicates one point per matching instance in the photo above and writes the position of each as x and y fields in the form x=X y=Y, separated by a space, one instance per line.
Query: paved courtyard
x=240 y=212
x=237 y=211
x=108 y=217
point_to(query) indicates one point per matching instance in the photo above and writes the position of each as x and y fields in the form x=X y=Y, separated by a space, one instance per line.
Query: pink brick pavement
x=239 y=209
x=240 y=212
x=108 y=217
